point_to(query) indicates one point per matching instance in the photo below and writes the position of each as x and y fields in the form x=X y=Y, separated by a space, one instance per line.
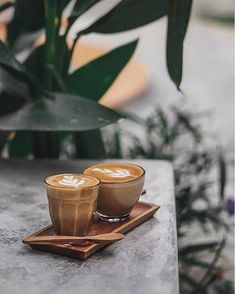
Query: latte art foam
x=115 y=172
x=71 y=181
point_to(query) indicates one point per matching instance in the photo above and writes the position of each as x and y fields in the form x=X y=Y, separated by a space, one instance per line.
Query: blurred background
x=205 y=106
x=208 y=80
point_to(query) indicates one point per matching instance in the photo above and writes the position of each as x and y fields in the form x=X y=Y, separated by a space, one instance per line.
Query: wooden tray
x=140 y=213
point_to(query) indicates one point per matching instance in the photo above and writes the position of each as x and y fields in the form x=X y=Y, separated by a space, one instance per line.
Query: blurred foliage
x=225 y=19
x=176 y=136
x=34 y=97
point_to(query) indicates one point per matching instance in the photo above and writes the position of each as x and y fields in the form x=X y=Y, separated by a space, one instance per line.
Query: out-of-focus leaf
x=188 y=249
x=5 y=6
x=8 y=59
x=184 y=120
x=196 y=287
x=178 y=18
x=129 y=14
x=64 y=112
x=79 y=8
x=197 y=263
x=93 y=79
x=11 y=85
x=14 y=92
x=10 y=103
x=28 y=18
x=35 y=62
x=62 y=56
x=222 y=175
x=89 y=144
x=193 y=283
x=46 y=144
x=20 y=146
x=50 y=43
x=3 y=140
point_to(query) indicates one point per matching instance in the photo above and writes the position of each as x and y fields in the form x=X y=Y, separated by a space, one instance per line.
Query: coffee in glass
x=72 y=202
x=120 y=189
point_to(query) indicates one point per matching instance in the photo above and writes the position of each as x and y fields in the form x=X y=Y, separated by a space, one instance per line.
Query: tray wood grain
x=140 y=213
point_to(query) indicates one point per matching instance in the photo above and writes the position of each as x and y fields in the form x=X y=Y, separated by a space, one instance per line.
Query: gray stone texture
x=144 y=262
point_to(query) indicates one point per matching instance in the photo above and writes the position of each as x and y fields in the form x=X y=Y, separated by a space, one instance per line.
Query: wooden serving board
x=140 y=213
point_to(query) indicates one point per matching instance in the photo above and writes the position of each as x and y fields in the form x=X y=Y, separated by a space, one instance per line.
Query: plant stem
x=51 y=32
x=57 y=77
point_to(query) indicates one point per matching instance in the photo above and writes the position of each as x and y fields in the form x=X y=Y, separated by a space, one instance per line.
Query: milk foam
x=71 y=181
x=112 y=172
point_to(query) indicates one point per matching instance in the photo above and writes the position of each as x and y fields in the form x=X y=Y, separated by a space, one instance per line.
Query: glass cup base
x=113 y=219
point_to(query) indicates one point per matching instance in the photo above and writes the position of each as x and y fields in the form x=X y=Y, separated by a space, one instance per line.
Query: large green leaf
x=85 y=142
x=14 y=91
x=28 y=18
x=79 y=8
x=129 y=14
x=35 y=62
x=8 y=59
x=62 y=56
x=20 y=146
x=93 y=79
x=178 y=18
x=12 y=85
x=64 y=112
x=10 y=103
x=6 y=5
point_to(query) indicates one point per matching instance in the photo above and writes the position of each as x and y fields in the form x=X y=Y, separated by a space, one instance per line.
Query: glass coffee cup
x=72 y=200
x=120 y=189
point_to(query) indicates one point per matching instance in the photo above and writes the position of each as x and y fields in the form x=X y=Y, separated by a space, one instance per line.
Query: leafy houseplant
x=174 y=135
x=43 y=103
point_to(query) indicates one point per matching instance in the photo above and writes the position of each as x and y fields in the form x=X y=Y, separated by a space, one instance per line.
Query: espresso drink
x=121 y=187
x=72 y=202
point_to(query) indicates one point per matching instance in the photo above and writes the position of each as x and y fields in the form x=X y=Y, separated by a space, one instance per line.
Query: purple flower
x=229 y=205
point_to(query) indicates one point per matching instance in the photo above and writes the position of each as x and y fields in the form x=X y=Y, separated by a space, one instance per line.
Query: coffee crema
x=115 y=172
x=71 y=181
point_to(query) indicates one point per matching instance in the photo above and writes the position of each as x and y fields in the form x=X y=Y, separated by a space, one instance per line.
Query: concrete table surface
x=144 y=262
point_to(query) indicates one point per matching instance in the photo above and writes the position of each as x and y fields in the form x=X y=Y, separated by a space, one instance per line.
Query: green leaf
x=79 y=8
x=11 y=85
x=62 y=56
x=193 y=283
x=188 y=249
x=93 y=79
x=28 y=18
x=20 y=146
x=46 y=144
x=35 y=62
x=222 y=174
x=3 y=139
x=10 y=103
x=64 y=112
x=5 y=6
x=85 y=142
x=8 y=59
x=129 y=14
x=178 y=18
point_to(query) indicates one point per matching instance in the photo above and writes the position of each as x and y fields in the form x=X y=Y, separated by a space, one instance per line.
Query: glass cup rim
x=72 y=188
x=116 y=182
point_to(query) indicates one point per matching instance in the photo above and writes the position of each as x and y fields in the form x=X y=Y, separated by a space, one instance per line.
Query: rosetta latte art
x=117 y=173
x=71 y=181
